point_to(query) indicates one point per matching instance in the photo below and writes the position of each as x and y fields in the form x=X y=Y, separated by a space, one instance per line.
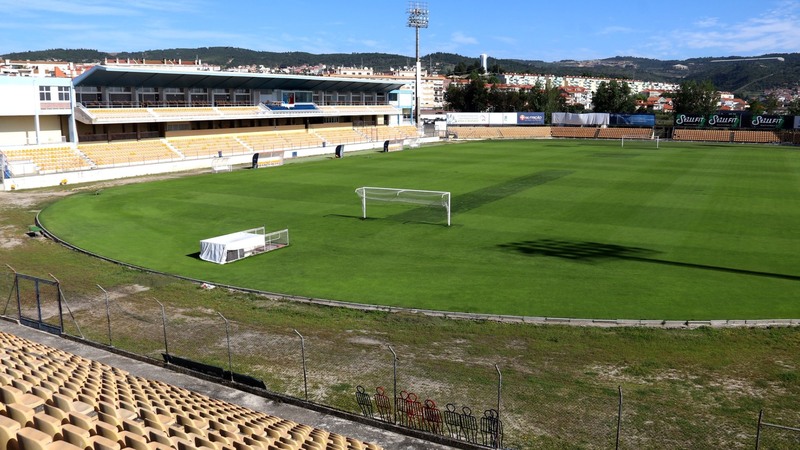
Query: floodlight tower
x=417 y=18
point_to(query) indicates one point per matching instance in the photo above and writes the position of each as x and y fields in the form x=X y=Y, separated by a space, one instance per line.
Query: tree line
x=476 y=96
x=614 y=96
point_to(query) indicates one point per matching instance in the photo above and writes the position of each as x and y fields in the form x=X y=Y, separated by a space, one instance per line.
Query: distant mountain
x=747 y=77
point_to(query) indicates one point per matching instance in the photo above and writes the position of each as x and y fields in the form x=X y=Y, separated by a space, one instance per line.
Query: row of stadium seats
x=341 y=135
x=128 y=152
x=574 y=132
x=751 y=136
x=50 y=159
x=762 y=137
x=376 y=133
x=702 y=135
x=54 y=400
x=194 y=112
x=619 y=133
x=524 y=132
x=205 y=146
x=104 y=154
x=116 y=114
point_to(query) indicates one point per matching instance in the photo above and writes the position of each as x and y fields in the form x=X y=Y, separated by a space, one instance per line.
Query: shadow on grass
x=615 y=155
x=596 y=251
x=575 y=250
x=476 y=199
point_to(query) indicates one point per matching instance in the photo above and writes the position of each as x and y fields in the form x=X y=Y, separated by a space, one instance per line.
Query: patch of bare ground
x=32 y=198
x=731 y=386
x=27 y=199
x=363 y=337
x=10 y=237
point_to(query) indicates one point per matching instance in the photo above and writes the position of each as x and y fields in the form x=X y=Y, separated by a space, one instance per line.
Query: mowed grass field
x=539 y=228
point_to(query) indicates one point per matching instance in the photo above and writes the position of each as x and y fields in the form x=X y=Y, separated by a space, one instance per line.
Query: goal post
x=651 y=139
x=436 y=199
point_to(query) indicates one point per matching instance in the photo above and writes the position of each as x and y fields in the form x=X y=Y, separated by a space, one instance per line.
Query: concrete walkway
x=388 y=439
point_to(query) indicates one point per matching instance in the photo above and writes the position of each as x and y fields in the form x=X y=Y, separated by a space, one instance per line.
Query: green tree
x=614 y=97
x=771 y=104
x=454 y=97
x=495 y=68
x=757 y=107
x=476 y=97
x=696 y=98
x=794 y=107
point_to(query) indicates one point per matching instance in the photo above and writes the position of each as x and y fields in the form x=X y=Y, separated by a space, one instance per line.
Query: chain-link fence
x=8 y=293
x=771 y=435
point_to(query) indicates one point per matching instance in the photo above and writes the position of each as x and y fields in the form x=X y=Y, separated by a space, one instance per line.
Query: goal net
x=241 y=244
x=436 y=199
x=639 y=141
x=221 y=164
x=268 y=159
x=276 y=240
x=393 y=145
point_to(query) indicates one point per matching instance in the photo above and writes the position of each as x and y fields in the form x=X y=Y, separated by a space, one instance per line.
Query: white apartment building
x=431 y=90
x=355 y=71
x=589 y=84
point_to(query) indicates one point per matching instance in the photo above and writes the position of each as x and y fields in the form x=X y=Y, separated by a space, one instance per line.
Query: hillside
x=745 y=78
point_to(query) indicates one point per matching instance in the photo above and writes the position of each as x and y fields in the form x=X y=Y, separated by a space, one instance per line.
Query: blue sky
x=542 y=30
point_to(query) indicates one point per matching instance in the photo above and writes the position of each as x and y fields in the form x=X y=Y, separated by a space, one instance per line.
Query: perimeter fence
x=426 y=387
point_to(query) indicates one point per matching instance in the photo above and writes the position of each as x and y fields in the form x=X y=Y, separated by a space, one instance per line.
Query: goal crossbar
x=412 y=196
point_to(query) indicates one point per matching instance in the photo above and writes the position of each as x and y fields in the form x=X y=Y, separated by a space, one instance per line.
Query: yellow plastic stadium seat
x=8 y=433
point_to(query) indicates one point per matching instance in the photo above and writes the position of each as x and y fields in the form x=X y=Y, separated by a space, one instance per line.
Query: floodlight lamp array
x=418 y=15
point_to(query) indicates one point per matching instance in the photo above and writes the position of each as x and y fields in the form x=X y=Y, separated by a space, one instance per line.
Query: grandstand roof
x=117 y=76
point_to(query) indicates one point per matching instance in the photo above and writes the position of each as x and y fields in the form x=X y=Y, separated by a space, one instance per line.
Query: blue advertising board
x=530 y=118
x=634 y=120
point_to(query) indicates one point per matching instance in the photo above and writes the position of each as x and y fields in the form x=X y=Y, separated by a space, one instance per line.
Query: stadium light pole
x=417 y=18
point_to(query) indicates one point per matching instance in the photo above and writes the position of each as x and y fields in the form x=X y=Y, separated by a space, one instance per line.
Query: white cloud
x=776 y=30
x=616 y=30
x=508 y=40
x=462 y=39
x=765 y=34
x=85 y=8
x=707 y=22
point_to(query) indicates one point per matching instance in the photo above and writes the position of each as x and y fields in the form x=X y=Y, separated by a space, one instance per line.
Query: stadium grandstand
x=114 y=122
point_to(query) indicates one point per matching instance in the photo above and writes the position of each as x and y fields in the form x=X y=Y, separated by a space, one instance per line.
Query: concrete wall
x=113 y=173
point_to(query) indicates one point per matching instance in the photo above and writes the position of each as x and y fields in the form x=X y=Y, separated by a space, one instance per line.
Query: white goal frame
x=634 y=137
x=412 y=196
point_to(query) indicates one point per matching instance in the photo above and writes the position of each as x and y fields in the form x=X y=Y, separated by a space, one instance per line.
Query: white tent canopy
x=230 y=247
x=562 y=118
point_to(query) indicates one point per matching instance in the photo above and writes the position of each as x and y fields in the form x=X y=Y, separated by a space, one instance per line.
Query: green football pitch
x=554 y=228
